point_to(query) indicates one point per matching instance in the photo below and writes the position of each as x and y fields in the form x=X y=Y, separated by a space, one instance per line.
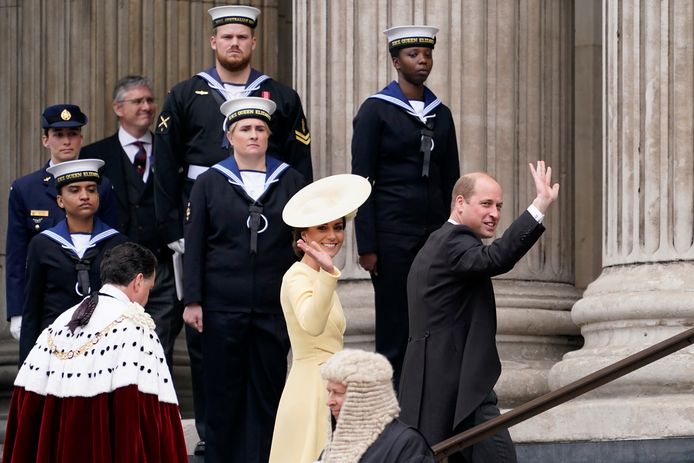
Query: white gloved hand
x=16 y=326
x=177 y=246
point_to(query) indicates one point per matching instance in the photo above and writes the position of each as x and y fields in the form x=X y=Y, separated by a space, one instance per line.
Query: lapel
x=48 y=183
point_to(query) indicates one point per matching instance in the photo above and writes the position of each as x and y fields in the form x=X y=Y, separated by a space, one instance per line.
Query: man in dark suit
x=128 y=158
x=451 y=363
x=32 y=206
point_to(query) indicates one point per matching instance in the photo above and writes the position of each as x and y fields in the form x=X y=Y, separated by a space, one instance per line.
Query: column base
x=630 y=417
x=630 y=451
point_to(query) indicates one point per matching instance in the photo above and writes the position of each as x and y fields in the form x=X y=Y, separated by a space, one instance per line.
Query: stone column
x=504 y=69
x=644 y=293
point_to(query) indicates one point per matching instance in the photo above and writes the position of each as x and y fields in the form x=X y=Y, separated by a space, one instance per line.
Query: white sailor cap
x=411 y=36
x=234 y=14
x=248 y=107
x=79 y=170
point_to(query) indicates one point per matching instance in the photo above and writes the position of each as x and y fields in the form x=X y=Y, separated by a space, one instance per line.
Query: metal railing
x=550 y=400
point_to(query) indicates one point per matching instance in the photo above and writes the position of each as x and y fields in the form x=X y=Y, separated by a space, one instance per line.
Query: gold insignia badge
x=201 y=92
x=188 y=213
x=65 y=115
x=303 y=138
x=38 y=213
x=303 y=135
x=163 y=124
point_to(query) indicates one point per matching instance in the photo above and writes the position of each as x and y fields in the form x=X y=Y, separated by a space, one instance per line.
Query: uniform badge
x=303 y=135
x=188 y=213
x=38 y=213
x=47 y=179
x=163 y=123
x=201 y=92
x=65 y=115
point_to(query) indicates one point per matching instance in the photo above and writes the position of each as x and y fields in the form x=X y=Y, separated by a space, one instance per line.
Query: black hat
x=62 y=115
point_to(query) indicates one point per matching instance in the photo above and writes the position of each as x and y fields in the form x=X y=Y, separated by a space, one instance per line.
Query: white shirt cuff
x=535 y=212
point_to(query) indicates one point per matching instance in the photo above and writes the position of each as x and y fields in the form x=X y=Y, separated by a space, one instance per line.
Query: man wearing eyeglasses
x=128 y=156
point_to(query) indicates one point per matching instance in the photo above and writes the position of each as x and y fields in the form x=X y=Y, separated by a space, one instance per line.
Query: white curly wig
x=369 y=405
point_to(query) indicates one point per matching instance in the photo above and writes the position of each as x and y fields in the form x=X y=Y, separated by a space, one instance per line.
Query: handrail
x=547 y=401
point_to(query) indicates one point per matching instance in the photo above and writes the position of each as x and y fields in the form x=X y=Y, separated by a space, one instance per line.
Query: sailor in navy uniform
x=32 y=206
x=404 y=142
x=237 y=250
x=189 y=137
x=63 y=261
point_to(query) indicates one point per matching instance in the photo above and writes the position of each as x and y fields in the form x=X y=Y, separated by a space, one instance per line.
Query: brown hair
x=296 y=235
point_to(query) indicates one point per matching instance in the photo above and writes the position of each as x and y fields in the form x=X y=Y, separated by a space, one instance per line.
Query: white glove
x=16 y=326
x=177 y=246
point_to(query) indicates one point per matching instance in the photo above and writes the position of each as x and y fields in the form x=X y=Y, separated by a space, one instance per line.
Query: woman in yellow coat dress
x=315 y=321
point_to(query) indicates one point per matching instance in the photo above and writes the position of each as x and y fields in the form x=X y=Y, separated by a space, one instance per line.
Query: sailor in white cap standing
x=237 y=250
x=189 y=138
x=404 y=142
x=63 y=261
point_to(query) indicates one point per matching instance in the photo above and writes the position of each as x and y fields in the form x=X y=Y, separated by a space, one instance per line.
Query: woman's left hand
x=315 y=252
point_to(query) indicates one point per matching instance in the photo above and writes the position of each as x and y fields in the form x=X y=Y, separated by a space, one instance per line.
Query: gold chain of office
x=72 y=353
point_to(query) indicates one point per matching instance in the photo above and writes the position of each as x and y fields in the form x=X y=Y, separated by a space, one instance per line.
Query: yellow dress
x=316 y=326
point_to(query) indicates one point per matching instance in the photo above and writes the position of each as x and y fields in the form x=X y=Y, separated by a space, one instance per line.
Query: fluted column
x=645 y=292
x=504 y=69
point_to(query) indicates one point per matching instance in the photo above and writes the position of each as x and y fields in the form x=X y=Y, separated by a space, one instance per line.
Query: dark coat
x=136 y=215
x=452 y=363
x=32 y=208
x=189 y=131
x=386 y=150
x=220 y=271
x=399 y=443
x=51 y=286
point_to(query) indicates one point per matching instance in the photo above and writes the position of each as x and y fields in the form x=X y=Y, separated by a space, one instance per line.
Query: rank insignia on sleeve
x=303 y=135
x=201 y=92
x=188 y=213
x=163 y=123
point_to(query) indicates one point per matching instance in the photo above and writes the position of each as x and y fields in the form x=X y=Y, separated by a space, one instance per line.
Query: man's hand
x=546 y=192
x=177 y=246
x=16 y=326
x=192 y=315
x=368 y=262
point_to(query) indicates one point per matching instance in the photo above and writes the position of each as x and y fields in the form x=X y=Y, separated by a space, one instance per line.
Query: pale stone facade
x=524 y=81
x=645 y=292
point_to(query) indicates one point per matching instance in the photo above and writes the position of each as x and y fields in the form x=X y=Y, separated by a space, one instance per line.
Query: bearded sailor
x=63 y=261
x=189 y=138
x=404 y=142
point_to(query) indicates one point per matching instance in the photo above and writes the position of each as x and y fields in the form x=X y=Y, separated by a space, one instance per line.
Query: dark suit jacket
x=116 y=161
x=451 y=363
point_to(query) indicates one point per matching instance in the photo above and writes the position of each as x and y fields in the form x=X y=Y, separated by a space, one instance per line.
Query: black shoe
x=199 y=448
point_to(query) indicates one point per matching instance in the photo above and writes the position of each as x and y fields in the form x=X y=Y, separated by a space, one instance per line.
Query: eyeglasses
x=139 y=101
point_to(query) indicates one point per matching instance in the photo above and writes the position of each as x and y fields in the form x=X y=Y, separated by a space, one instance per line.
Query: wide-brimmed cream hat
x=325 y=200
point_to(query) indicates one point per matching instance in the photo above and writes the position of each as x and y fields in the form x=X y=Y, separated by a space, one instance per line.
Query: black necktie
x=140 y=161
